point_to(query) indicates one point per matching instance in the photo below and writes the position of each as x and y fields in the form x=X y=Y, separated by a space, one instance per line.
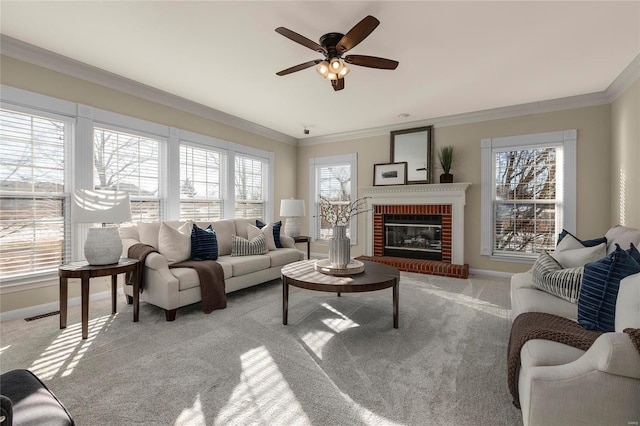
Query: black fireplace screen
x=413 y=236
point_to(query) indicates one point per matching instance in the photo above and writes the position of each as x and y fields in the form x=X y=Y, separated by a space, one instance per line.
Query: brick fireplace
x=432 y=249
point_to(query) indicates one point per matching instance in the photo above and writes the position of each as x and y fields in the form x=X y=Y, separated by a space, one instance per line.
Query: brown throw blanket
x=537 y=325
x=210 y=275
x=138 y=251
x=211 y=278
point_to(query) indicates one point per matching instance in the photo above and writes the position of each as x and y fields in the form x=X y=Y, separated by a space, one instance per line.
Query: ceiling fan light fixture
x=323 y=69
x=332 y=76
x=336 y=65
x=344 y=71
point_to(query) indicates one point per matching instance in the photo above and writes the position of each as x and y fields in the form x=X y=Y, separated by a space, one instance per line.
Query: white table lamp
x=292 y=210
x=103 y=245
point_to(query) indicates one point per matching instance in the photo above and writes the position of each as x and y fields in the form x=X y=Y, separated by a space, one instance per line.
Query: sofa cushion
x=175 y=244
x=149 y=233
x=204 y=244
x=628 y=303
x=599 y=292
x=129 y=232
x=277 y=228
x=243 y=247
x=267 y=231
x=623 y=236
x=283 y=256
x=580 y=256
x=242 y=265
x=225 y=230
x=585 y=243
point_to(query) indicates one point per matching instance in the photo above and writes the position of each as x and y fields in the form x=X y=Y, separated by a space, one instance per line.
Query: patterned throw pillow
x=276 y=231
x=599 y=292
x=244 y=247
x=549 y=276
x=204 y=243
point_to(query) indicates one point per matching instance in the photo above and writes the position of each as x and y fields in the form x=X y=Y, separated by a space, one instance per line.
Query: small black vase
x=446 y=178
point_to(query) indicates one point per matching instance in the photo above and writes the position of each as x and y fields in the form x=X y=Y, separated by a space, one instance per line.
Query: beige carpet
x=338 y=362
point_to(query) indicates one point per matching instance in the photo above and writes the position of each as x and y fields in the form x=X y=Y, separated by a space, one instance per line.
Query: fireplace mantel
x=447 y=193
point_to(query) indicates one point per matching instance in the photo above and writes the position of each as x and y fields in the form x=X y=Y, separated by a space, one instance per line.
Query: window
x=334 y=178
x=128 y=162
x=33 y=232
x=526 y=203
x=201 y=183
x=250 y=176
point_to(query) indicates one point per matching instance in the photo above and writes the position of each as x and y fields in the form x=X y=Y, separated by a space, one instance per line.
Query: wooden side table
x=304 y=239
x=85 y=272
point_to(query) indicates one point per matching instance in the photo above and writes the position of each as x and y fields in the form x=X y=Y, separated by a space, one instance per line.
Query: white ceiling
x=455 y=57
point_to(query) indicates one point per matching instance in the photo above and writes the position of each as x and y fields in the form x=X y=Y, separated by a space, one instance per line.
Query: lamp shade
x=292 y=208
x=100 y=206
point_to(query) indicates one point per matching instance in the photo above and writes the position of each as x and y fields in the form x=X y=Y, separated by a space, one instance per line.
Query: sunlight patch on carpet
x=368 y=417
x=263 y=394
x=192 y=415
x=315 y=340
x=4 y=348
x=472 y=302
x=66 y=351
x=338 y=325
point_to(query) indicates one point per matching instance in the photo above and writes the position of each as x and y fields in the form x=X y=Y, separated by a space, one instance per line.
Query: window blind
x=526 y=205
x=250 y=176
x=201 y=184
x=128 y=162
x=34 y=236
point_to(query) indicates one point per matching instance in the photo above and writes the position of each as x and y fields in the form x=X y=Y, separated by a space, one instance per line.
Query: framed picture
x=390 y=174
x=413 y=146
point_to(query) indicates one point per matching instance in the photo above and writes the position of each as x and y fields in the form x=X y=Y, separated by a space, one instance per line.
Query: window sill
x=29 y=282
x=513 y=259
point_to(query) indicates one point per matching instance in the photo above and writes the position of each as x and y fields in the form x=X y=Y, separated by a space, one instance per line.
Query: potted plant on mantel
x=445 y=155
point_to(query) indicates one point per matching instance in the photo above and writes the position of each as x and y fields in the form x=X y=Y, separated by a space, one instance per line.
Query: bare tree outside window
x=525 y=200
x=249 y=187
x=334 y=185
x=201 y=178
x=130 y=163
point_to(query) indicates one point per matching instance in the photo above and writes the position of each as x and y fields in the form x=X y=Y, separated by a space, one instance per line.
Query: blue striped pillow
x=633 y=252
x=599 y=291
x=204 y=243
x=276 y=231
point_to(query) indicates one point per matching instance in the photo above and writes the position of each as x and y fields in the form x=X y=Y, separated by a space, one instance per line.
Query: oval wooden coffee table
x=376 y=276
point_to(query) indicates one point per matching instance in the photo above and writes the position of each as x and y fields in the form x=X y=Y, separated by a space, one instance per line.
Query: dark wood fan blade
x=338 y=84
x=359 y=32
x=299 y=67
x=371 y=62
x=300 y=39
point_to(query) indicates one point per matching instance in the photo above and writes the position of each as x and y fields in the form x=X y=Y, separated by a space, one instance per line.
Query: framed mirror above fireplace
x=414 y=146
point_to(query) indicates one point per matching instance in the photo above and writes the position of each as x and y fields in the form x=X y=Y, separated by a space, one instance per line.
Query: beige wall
x=40 y=80
x=594 y=130
x=625 y=161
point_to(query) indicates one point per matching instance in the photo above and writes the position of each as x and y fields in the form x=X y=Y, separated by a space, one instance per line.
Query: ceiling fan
x=333 y=46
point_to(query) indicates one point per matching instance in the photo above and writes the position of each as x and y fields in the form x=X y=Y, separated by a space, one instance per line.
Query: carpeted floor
x=338 y=362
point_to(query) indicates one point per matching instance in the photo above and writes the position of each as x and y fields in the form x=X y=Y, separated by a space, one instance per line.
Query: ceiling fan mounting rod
x=329 y=41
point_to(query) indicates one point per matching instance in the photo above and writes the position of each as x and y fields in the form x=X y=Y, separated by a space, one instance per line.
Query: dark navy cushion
x=276 y=231
x=586 y=243
x=599 y=291
x=204 y=243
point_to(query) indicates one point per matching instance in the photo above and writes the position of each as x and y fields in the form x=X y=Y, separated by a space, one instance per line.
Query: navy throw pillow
x=276 y=231
x=586 y=243
x=599 y=291
x=204 y=243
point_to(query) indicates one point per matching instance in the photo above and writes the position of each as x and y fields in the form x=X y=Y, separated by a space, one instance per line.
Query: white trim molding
x=447 y=193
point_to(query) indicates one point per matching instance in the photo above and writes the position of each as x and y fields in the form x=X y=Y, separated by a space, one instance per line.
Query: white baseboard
x=490 y=273
x=50 y=307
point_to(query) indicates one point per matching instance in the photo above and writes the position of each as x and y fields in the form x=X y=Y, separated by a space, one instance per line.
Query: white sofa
x=172 y=288
x=561 y=385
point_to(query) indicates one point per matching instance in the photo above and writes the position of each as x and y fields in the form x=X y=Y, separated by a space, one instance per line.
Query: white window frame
x=60 y=111
x=79 y=163
x=314 y=163
x=568 y=140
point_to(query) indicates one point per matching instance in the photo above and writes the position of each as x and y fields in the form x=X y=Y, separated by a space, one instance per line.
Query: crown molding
x=552 y=105
x=29 y=53
x=626 y=78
